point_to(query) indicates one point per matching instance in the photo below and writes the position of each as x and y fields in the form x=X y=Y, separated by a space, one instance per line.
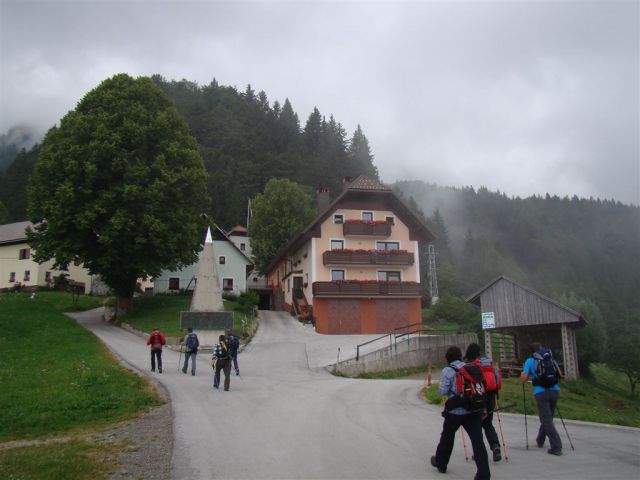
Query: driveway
x=287 y=418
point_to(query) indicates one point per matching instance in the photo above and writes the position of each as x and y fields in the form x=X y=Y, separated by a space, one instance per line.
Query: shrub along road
x=288 y=418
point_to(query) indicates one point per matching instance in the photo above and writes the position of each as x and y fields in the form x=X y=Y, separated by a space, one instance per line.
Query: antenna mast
x=433 y=277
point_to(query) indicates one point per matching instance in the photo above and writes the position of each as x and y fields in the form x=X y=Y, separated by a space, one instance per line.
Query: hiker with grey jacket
x=191 y=345
x=458 y=413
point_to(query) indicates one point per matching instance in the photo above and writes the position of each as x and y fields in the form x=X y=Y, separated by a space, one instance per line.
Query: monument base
x=206 y=320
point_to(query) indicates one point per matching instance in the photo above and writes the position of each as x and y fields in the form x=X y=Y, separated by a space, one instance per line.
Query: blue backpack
x=192 y=343
x=546 y=369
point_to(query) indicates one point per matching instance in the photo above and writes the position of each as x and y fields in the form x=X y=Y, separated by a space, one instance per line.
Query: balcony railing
x=366 y=289
x=375 y=229
x=373 y=257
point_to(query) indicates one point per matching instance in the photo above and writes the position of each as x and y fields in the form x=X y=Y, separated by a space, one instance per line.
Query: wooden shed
x=508 y=307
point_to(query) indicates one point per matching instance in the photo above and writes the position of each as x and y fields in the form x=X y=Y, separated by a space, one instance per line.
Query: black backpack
x=471 y=388
x=546 y=369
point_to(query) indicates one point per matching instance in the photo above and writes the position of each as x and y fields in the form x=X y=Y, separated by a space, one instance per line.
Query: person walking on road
x=191 y=344
x=156 y=340
x=494 y=382
x=234 y=346
x=456 y=416
x=222 y=358
x=544 y=373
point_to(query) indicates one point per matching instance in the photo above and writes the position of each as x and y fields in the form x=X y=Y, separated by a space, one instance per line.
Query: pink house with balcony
x=356 y=267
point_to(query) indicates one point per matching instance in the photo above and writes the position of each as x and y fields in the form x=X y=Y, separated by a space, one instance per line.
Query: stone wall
x=413 y=352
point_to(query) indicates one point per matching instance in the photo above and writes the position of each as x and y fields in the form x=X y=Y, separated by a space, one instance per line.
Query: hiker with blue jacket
x=191 y=345
x=544 y=372
x=456 y=415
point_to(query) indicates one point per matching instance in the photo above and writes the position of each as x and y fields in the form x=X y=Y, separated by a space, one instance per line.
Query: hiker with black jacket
x=156 y=340
x=455 y=415
x=222 y=358
x=544 y=373
x=473 y=355
x=191 y=345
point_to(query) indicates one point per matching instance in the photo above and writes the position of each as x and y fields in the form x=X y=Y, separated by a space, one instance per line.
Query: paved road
x=286 y=418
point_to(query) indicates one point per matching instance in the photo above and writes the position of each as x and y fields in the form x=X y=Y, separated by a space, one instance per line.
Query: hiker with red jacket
x=156 y=340
x=461 y=410
x=493 y=380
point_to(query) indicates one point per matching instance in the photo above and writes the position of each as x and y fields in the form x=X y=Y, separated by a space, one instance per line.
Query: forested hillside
x=582 y=251
x=244 y=140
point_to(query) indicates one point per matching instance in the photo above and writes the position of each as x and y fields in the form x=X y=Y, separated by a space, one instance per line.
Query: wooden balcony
x=372 y=257
x=366 y=289
x=382 y=229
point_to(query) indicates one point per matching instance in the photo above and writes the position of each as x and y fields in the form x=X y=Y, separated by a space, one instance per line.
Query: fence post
x=357 y=353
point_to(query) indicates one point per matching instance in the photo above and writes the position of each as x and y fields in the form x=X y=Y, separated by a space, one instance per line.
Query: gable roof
x=566 y=313
x=14 y=232
x=220 y=235
x=362 y=190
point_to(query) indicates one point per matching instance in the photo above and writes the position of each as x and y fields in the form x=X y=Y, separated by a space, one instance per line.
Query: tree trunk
x=123 y=304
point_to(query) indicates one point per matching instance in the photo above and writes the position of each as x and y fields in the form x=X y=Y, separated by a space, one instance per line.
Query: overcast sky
x=522 y=97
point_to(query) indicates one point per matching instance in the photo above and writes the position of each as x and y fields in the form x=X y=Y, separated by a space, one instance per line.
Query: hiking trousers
x=193 y=356
x=546 y=402
x=225 y=365
x=487 y=423
x=472 y=423
x=158 y=354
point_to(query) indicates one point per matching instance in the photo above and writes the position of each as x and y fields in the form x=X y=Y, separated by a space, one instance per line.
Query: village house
x=356 y=267
x=233 y=266
x=18 y=268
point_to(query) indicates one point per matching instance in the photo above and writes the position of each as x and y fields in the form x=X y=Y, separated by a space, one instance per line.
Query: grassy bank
x=55 y=376
x=602 y=399
x=75 y=459
x=163 y=311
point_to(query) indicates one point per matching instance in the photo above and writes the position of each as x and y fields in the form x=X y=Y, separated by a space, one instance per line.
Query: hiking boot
x=434 y=464
x=497 y=455
x=159 y=370
x=554 y=452
x=184 y=370
x=193 y=374
x=237 y=372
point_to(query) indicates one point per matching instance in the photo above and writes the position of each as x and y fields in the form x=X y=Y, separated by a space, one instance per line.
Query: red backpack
x=492 y=375
x=470 y=385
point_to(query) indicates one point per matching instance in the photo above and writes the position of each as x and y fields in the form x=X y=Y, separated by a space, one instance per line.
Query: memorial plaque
x=206 y=320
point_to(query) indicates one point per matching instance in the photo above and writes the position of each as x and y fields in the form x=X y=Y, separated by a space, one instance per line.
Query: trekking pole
x=464 y=444
x=504 y=444
x=526 y=430
x=565 y=427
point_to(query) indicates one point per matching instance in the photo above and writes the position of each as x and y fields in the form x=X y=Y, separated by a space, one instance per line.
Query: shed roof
x=516 y=305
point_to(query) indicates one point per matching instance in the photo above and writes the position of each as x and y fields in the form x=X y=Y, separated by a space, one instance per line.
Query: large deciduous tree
x=279 y=214
x=119 y=186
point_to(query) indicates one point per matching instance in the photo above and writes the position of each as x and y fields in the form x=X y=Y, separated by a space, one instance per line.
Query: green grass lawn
x=603 y=399
x=163 y=311
x=76 y=460
x=55 y=376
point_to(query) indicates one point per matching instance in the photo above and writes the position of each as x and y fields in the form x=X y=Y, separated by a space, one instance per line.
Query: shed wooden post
x=488 y=351
x=569 y=352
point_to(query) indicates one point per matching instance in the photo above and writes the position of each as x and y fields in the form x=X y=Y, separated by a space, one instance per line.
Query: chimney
x=345 y=182
x=322 y=198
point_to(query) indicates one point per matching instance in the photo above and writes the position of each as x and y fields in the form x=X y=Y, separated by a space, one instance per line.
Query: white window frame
x=336 y=216
x=233 y=286
x=386 y=272
x=344 y=274
x=378 y=242
x=364 y=212
x=12 y=277
x=336 y=240
x=391 y=219
x=222 y=259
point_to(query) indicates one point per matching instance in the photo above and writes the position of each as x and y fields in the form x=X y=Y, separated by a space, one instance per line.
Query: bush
x=247 y=301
